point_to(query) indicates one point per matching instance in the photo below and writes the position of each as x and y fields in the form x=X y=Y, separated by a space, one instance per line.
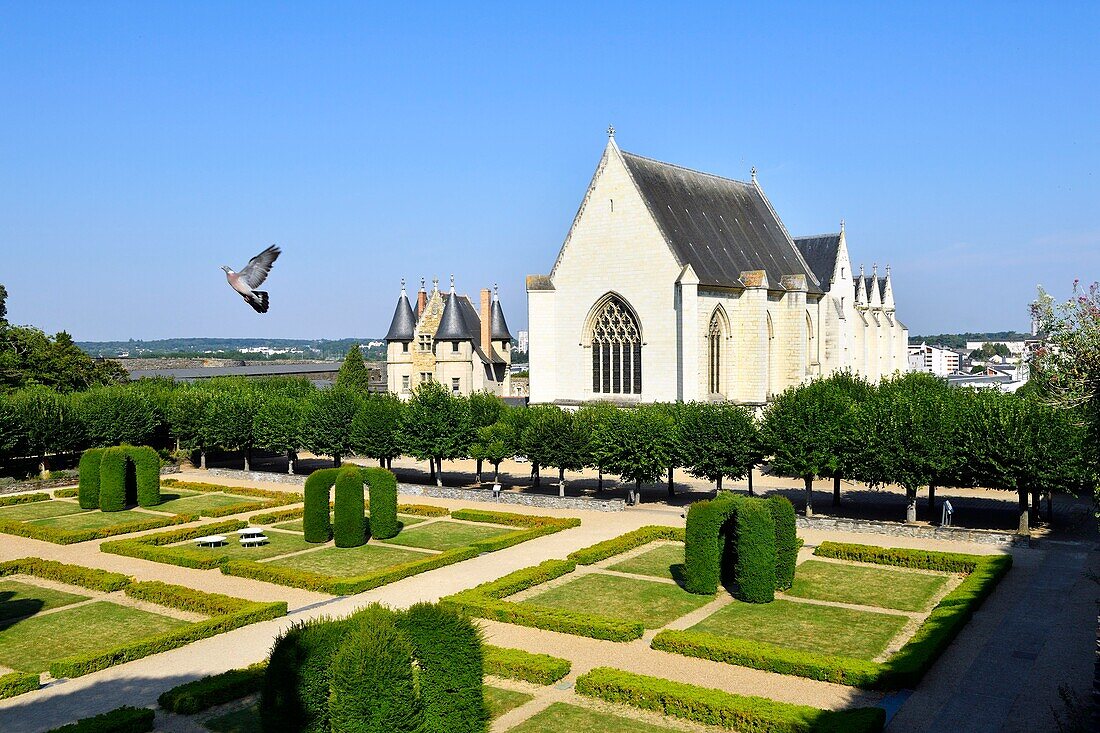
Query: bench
x=253 y=540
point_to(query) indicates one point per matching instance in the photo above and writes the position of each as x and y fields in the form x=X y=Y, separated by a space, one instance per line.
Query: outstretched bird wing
x=255 y=272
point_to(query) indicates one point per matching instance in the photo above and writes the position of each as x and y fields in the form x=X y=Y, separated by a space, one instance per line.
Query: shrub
x=16 y=683
x=24 y=499
x=447 y=648
x=315 y=524
x=117 y=488
x=154 y=546
x=423 y=510
x=786 y=540
x=70 y=536
x=88 y=488
x=91 y=578
x=948 y=562
x=624 y=543
x=125 y=719
x=723 y=709
x=754 y=566
x=70 y=493
x=283 y=515
x=147 y=474
x=516 y=664
x=349 y=527
x=704 y=544
x=383 y=503
x=373 y=683
x=193 y=697
x=295 y=692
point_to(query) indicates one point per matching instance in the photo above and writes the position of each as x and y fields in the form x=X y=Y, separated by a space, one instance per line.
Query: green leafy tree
x=327 y=421
x=230 y=419
x=376 y=429
x=485 y=410
x=3 y=304
x=593 y=421
x=518 y=419
x=47 y=424
x=187 y=418
x=720 y=441
x=118 y=414
x=9 y=429
x=678 y=457
x=435 y=426
x=494 y=443
x=29 y=357
x=277 y=426
x=554 y=438
x=353 y=372
x=638 y=447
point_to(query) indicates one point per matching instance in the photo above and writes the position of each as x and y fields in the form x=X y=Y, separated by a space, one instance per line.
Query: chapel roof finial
x=402 y=287
x=421 y=284
x=841 y=226
x=611 y=131
x=435 y=284
x=874 y=269
x=887 y=271
x=861 y=269
x=452 y=284
x=753 y=172
x=496 y=292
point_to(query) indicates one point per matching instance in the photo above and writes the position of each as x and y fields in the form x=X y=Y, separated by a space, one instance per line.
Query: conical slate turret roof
x=498 y=327
x=403 y=325
x=452 y=325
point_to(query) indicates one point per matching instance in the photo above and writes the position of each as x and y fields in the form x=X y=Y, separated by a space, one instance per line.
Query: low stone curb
x=923 y=531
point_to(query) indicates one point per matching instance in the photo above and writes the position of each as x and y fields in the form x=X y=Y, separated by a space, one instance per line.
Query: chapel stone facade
x=677 y=285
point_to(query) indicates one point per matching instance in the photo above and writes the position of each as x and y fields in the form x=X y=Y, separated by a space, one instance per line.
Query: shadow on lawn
x=13 y=610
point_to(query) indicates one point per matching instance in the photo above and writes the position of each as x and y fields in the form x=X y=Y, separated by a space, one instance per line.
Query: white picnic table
x=211 y=540
x=250 y=532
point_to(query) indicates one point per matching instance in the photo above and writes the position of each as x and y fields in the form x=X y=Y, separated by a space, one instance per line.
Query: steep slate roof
x=498 y=327
x=866 y=282
x=460 y=322
x=719 y=226
x=403 y=324
x=820 y=251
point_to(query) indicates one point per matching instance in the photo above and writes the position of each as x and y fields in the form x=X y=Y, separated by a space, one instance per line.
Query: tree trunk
x=718 y=483
x=537 y=478
x=290 y=462
x=561 y=482
x=910 y=505
x=439 y=472
x=750 y=481
x=809 y=496
x=1023 y=529
x=247 y=459
x=496 y=472
x=599 y=483
x=932 y=501
x=836 y=490
x=381 y=462
x=202 y=459
x=336 y=460
x=477 y=473
x=1050 y=508
x=671 y=484
x=431 y=470
x=637 y=492
x=1034 y=518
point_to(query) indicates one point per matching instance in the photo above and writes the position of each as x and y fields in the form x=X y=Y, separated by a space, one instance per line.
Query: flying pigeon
x=253 y=276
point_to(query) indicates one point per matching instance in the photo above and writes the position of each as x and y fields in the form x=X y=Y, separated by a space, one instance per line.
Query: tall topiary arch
x=128 y=475
x=754 y=554
x=786 y=540
x=349 y=526
x=383 y=503
x=88 y=490
x=315 y=521
x=705 y=543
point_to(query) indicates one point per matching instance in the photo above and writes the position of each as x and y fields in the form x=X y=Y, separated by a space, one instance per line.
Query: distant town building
x=674 y=284
x=937 y=360
x=522 y=341
x=1016 y=348
x=447 y=339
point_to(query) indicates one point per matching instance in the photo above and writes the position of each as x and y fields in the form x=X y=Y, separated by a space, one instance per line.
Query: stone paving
x=1001 y=674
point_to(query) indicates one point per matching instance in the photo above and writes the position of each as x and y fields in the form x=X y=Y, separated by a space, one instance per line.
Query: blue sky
x=144 y=144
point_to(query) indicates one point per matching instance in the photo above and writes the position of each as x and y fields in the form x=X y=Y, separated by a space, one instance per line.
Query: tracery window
x=715 y=336
x=616 y=350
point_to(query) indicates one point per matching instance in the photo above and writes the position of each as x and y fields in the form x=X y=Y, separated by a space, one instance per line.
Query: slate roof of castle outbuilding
x=820 y=251
x=719 y=226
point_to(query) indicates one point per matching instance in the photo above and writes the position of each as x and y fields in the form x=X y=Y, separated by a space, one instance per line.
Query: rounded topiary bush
x=295 y=693
x=447 y=647
x=88 y=490
x=383 y=503
x=349 y=526
x=786 y=540
x=147 y=474
x=754 y=568
x=373 y=683
x=315 y=521
x=116 y=480
x=705 y=544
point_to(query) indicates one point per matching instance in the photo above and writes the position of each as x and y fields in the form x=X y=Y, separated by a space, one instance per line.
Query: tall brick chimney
x=486 y=315
x=421 y=300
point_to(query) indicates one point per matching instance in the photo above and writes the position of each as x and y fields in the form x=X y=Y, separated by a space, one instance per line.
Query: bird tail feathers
x=258 y=301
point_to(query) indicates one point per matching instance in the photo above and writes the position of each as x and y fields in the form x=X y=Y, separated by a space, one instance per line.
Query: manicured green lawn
x=38 y=510
x=883 y=587
x=666 y=561
x=805 y=626
x=279 y=543
x=564 y=718
x=30 y=645
x=350 y=561
x=93 y=518
x=246 y=720
x=445 y=535
x=195 y=504
x=18 y=599
x=296 y=524
x=653 y=604
x=501 y=701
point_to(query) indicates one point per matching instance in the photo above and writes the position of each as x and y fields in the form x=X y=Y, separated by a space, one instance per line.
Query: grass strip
x=723 y=709
x=155 y=546
x=71 y=536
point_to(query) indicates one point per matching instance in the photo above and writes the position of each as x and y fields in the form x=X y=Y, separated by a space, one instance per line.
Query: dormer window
x=425 y=342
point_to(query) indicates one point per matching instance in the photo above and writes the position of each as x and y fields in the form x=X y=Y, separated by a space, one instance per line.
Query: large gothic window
x=616 y=349
x=715 y=336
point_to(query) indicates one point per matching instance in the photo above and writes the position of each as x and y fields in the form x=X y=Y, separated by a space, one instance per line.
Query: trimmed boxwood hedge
x=349 y=526
x=125 y=719
x=201 y=694
x=90 y=578
x=754 y=565
x=516 y=664
x=705 y=543
x=485 y=601
x=117 y=486
x=447 y=648
x=282 y=515
x=786 y=540
x=906 y=667
x=24 y=498
x=723 y=709
x=625 y=542
x=383 y=503
x=70 y=536
x=16 y=683
x=154 y=546
x=88 y=488
x=71 y=492
x=315 y=521
x=265 y=498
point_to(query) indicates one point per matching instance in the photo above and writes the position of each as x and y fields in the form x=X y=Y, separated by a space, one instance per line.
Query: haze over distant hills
x=236 y=348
